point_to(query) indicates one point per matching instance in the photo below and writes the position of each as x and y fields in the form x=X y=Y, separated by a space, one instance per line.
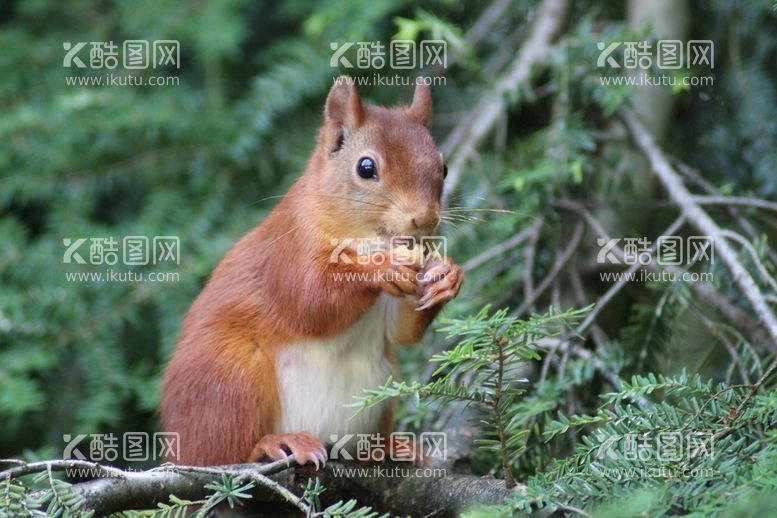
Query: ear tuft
x=421 y=109
x=343 y=112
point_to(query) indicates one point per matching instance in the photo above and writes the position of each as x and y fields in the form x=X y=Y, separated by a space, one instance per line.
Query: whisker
x=461 y=216
x=354 y=210
x=352 y=199
x=461 y=220
x=451 y=223
x=292 y=229
x=265 y=199
x=477 y=209
x=463 y=210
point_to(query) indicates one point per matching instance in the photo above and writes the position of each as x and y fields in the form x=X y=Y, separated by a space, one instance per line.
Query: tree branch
x=701 y=220
x=474 y=127
x=562 y=258
x=730 y=311
x=735 y=200
x=395 y=488
x=26 y=468
x=497 y=251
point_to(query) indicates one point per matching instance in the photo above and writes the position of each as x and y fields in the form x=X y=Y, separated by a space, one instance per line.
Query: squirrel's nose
x=426 y=221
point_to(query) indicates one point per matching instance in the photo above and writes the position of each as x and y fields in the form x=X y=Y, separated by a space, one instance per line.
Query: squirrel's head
x=380 y=173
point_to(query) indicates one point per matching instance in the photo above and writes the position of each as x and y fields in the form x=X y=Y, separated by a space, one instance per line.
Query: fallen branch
x=396 y=488
x=26 y=468
x=145 y=489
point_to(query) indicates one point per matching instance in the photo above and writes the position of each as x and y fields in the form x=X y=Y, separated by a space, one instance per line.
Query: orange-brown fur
x=276 y=285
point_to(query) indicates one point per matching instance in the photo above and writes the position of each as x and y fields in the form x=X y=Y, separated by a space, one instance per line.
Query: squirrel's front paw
x=305 y=447
x=440 y=282
x=396 y=279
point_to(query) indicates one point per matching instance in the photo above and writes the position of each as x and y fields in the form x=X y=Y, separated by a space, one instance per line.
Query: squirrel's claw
x=440 y=283
x=306 y=449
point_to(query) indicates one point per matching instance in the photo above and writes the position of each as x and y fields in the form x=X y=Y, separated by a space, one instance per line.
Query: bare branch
x=398 y=488
x=753 y=255
x=615 y=288
x=473 y=128
x=735 y=200
x=731 y=312
x=528 y=262
x=25 y=468
x=753 y=391
x=558 y=265
x=497 y=250
x=736 y=359
x=701 y=220
x=707 y=187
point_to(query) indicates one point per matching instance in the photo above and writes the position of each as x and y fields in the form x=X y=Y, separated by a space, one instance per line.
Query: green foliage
x=736 y=461
x=228 y=491
x=57 y=498
x=349 y=509
x=741 y=143
x=481 y=370
x=17 y=501
x=658 y=444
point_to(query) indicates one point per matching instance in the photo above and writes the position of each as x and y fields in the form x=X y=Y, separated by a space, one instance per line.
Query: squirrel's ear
x=421 y=109
x=343 y=112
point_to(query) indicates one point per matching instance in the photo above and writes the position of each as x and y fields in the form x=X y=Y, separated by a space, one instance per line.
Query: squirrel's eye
x=444 y=171
x=366 y=169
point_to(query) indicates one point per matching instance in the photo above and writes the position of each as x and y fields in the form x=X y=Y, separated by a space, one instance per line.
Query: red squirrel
x=279 y=340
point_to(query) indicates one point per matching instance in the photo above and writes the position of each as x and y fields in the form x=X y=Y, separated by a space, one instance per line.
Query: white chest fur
x=318 y=377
